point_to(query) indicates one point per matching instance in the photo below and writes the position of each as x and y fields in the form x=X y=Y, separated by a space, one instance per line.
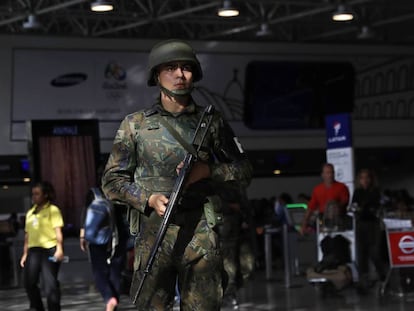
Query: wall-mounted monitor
x=296 y=95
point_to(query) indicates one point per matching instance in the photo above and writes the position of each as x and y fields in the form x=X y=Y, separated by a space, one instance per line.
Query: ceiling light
x=31 y=22
x=264 y=30
x=366 y=33
x=342 y=14
x=227 y=10
x=102 y=6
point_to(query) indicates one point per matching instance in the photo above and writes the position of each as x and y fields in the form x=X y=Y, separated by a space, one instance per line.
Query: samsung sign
x=69 y=79
x=338 y=131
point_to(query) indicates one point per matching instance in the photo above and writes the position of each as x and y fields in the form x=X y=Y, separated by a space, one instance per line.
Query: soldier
x=141 y=171
x=237 y=260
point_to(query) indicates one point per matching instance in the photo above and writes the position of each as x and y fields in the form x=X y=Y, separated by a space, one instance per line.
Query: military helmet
x=169 y=51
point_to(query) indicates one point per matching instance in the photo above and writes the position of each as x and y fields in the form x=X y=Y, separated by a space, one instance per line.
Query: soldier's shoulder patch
x=136 y=116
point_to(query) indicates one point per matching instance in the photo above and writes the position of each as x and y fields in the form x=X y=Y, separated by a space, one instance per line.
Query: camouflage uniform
x=247 y=237
x=143 y=161
x=238 y=259
x=229 y=236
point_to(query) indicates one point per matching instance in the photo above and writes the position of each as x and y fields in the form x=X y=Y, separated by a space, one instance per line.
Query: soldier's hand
x=158 y=202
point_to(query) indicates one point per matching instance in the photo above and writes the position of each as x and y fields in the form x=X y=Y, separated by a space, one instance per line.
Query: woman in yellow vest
x=43 y=248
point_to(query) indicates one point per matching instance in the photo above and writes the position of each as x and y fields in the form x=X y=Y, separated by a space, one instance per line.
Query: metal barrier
x=290 y=258
x=294 y=216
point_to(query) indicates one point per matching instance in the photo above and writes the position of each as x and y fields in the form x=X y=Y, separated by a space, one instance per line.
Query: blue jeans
x=107 y=275
x=37 y=263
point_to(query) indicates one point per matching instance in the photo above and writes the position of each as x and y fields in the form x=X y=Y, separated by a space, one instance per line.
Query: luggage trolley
x=342 y=275
x=400 y=244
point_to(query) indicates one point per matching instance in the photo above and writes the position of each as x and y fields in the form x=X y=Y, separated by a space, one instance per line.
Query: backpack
x=336 y=251
x=100 y=228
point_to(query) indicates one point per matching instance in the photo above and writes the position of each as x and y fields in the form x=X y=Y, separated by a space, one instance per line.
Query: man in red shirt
x=329 y=191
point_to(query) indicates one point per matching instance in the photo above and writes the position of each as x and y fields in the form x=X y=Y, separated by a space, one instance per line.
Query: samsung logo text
x=69 y=79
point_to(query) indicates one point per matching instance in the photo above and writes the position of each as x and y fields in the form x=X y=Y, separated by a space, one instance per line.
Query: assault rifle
x=203 y=125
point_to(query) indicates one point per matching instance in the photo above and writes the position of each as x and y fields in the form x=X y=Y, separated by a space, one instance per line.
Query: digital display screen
x=296 y=95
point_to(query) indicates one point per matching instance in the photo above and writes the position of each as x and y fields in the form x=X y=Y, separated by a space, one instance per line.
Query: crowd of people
x=329 y=200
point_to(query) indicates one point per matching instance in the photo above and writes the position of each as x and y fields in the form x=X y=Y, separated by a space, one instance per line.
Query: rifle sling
x=189 y=147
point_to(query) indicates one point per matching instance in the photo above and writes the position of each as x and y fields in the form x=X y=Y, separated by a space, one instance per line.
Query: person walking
x=43 y=248
x=142 y=169
x=107 y=259
x=366 y=204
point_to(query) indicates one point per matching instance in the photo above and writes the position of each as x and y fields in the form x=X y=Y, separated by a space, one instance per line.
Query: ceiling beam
x=279 y=20
x=393 y=20
x=158 y=18
x=42 y=11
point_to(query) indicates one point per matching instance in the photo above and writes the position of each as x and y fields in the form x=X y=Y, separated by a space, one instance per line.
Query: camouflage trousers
x=230 y=245
x=189 y=255
x=247 y=260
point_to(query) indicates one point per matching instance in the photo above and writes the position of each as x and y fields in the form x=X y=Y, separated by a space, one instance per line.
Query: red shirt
x=321 y=195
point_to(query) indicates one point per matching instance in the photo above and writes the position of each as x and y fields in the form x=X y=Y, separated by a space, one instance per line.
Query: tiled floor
x=259 y=294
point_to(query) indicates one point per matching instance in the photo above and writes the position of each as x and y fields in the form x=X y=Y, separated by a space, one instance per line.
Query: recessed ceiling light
x=102 y=6
x=342 y=14
x=227 y=10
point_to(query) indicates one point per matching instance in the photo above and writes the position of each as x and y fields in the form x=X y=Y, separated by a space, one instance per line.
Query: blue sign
x=338 y=131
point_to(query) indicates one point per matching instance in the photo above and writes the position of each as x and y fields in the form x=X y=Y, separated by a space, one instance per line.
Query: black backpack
x=336 y=251
x=100 y=228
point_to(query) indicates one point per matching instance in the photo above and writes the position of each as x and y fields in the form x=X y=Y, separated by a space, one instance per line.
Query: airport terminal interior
x=301 y=83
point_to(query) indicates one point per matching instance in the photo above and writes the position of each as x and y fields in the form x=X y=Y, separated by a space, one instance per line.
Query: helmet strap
x=176 y=93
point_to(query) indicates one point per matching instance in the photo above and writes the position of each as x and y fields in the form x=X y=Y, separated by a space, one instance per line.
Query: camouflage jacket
x=145 y=155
